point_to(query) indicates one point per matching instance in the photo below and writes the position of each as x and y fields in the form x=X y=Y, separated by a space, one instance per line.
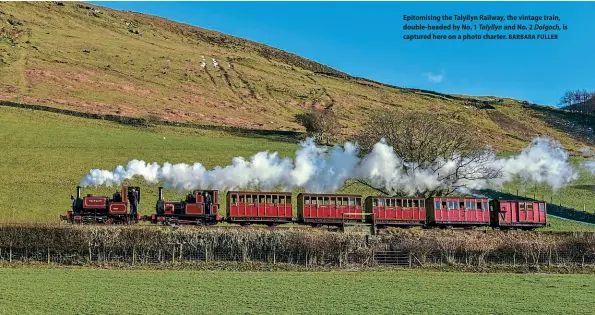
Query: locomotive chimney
x=160 y=193
x=78 y=192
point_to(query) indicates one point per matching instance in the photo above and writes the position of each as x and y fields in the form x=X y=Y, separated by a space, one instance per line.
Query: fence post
x=180 y=259
x=10 y=254
x=48 y=255
x=173 y=254
x=133 y=255
x=409 y=259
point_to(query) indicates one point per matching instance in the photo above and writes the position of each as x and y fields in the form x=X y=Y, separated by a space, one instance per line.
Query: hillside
x=91 y=59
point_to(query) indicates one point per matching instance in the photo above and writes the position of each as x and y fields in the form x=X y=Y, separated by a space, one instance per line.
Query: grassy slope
x=86 y=58
x=52 y=291
x=45 y=155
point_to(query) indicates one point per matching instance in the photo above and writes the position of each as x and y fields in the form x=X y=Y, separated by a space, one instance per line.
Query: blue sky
x=366 y=39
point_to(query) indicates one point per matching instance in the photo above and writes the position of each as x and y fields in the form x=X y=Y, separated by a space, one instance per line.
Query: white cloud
x=435 y=78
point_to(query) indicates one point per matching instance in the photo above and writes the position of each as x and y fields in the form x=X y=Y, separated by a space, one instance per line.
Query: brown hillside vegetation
x=87 y=58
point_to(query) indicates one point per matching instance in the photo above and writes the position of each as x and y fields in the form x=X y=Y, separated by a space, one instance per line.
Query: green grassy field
x=45 y=155
x=89 y=291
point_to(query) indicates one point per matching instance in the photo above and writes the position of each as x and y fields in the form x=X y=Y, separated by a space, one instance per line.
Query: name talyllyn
x=471 y=18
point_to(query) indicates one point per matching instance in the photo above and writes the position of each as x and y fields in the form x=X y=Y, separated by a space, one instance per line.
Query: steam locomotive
x=102 y=209
x=202 y=207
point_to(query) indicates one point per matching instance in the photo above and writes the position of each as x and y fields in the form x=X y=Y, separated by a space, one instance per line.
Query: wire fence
x=178 y=253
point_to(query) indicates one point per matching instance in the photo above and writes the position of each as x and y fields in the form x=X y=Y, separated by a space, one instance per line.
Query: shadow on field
x=585 y=187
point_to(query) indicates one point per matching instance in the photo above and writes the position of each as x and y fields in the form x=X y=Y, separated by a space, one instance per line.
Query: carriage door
x=504 y=209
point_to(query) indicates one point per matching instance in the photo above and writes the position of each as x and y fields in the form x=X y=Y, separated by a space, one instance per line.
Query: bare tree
x=430 y=142
x=578 y=101
x=322 y=124
x=566 y=99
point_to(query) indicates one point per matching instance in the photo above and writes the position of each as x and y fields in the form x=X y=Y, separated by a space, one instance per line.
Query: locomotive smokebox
x=78 y=192
x=160 y=193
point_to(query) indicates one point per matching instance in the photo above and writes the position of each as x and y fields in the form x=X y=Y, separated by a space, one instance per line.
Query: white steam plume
x=544 y=162
x=317 y=169
x=589 y=165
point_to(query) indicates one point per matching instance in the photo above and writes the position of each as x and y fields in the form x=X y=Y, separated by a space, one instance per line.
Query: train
x=202 y=207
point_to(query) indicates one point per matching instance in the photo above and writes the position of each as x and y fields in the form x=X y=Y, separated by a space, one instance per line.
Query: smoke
x=322 y=170
x=545 y=161
x=588 y=165
x=316 y=169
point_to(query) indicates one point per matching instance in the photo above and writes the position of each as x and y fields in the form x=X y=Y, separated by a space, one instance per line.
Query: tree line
x=581 y=101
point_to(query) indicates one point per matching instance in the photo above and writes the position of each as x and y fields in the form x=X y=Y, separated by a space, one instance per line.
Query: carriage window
x=443 y=204
x=437 y=205
x=462 y=205
x=530 y=207
x=288 y=199
x=275 y=199
x=541 y=207
x=375 y=202
x=351 y=201
x=282 y=199
x=234 y=199
x=241 y=199
x=261 y=200
x=485 y=206
x=479 y=205
x=307 y=200
x=415 y=203
x=269 y=199
x=409 y=203
x=381 y=202
x=332 y=201
x=422 y=203
x=522 y=206
x=358 y=201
